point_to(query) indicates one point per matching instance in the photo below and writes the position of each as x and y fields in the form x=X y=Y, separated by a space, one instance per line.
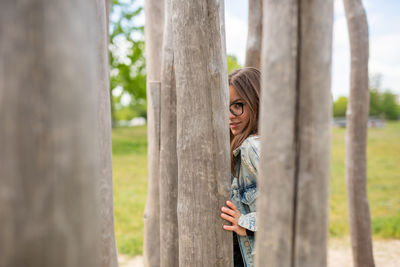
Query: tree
x=154 y=11
x=389 y=106
x=127 y=61
x=48 y=161
x=292 y=204
x=356 y=136
x=375 y=108
x=254 y=34
x=202 y=132
x=340 y=107
x=232 y=63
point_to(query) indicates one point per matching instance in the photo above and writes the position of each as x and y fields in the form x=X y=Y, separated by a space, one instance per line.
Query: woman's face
x=239 y=120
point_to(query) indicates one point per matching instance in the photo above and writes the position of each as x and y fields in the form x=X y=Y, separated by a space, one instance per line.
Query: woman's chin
x=235 y=132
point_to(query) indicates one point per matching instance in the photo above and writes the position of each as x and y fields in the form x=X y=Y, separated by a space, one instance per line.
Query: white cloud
x=236 y=36
x=340 y=53
x=384 y=45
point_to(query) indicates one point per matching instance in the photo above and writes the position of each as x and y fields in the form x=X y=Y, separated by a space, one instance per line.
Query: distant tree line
x=382 y=103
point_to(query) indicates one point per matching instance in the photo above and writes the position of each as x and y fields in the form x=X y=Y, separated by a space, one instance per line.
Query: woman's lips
x=234 y=125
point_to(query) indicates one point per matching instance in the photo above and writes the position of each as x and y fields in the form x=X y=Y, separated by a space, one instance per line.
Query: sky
x=384 y=29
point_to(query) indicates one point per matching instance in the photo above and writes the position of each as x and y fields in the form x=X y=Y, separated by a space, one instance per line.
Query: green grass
x=130 y=184
x=383 y=174
x=130 y=187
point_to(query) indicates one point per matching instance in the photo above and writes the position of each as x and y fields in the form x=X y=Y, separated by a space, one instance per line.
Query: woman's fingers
x=228 y=211
x=228 y=218
x=229 y=227
x=231 y=205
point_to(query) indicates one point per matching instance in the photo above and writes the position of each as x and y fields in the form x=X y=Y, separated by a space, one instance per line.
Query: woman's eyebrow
x=234 y=101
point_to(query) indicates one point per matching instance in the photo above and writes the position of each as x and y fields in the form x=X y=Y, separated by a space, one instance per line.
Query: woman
x=240 y=211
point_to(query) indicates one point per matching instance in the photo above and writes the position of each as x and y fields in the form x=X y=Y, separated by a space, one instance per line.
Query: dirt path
x=386 y=253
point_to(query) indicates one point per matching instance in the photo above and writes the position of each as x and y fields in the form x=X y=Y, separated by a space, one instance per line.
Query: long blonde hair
x=247 y=82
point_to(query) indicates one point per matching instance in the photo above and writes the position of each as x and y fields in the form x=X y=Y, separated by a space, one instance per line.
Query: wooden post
x=169 y=245
x=108 y=250
x=356 y=136
x=154 y=14
x=202 y=133
x=48 y=168
x=254 y=34
x=295 y=133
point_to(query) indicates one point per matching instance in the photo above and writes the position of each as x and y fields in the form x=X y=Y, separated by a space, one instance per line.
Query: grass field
x=130 y=184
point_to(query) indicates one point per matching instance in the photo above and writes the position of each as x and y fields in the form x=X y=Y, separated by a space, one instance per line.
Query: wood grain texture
x=277 y=129
x=48 y=168
x=295 y=115
x=356 y=136
x=169 y=245
x=108 y=250
x=151 y=245
x=202 y=133
x=313 y=130
x=154 y=21
x=254 y=34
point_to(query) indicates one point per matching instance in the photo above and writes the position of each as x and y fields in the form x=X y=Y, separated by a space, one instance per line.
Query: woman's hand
x=232 y=215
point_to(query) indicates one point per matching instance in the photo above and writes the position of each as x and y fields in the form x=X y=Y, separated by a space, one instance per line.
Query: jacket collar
x=237 y=150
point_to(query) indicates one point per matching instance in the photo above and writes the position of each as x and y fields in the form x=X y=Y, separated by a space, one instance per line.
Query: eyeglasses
x=236 y=108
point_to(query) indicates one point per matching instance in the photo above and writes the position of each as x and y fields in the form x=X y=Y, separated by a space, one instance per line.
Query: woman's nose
x=231 y=116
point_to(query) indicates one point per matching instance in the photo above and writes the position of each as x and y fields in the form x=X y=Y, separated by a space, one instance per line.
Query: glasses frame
x=235 y=103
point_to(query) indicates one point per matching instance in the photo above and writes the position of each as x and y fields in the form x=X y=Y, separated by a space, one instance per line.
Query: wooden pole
x=295 y=133
x=108 y=250
x=154 y=15
x=202 y=133
x=169 y=245
x=356 y=136
x=254 y=34
x=48 y=168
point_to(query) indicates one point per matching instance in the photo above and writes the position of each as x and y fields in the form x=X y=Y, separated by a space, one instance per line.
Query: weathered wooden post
x=254 y=34
x=154 y=21
x=295 y=133
x=356 y=136
x=108 y=250
x=48 y=168
x=202 y=132
x=169 y=245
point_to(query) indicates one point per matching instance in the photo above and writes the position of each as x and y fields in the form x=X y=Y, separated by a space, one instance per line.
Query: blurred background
x=128 y=98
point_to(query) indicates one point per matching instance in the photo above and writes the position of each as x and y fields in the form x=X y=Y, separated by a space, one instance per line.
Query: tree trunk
x=202 y=133
x=154 y=14
x=254 y=34
x=108 y=13
x=108 y=250
x=169 y=245
x=295 y=131
x=356 y=136
x=48 y=168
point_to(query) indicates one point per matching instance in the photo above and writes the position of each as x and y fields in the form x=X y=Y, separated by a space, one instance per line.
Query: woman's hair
x=247 y=84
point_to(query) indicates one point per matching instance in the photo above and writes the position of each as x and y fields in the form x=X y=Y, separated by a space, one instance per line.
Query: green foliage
x=374 y=102
x=233 y=63
x=381 y=104
x=127 y=61
x=390 y=108
x=340 y=107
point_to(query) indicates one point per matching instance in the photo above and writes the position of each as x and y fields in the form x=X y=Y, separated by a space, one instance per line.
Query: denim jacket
x=244 y=193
